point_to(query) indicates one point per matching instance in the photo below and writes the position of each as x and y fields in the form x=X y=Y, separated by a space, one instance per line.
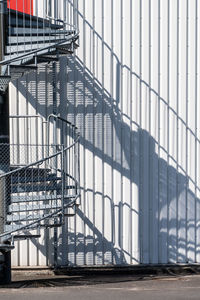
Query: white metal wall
x=133 y=90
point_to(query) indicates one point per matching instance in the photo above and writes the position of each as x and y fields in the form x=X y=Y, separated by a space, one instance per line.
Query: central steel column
x=4 y=145
x=4 y=118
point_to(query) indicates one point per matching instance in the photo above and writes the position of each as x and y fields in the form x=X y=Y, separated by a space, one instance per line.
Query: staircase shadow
x=120 y=142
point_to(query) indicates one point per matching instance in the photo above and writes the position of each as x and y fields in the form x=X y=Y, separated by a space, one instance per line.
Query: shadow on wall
x=168 y=209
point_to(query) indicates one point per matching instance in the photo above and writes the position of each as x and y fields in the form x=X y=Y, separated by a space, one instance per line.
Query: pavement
x=44 y=284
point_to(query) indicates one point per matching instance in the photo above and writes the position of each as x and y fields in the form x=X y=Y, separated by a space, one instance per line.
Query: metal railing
x=26 y=130
x=38 y=27
x=35 y=193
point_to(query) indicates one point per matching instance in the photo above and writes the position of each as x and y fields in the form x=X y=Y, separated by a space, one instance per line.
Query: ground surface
x=105 y=287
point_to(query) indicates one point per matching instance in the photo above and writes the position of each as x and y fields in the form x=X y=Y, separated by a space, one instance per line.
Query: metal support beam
x=4 y=120
x=4 y=143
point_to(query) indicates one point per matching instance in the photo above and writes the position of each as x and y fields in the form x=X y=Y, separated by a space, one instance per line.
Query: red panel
x=25 y=6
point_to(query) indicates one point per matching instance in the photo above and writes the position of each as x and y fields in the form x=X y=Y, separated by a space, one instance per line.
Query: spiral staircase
x=39 y=183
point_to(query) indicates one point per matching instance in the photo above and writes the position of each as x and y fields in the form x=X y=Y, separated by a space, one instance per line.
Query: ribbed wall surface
x=133 y=90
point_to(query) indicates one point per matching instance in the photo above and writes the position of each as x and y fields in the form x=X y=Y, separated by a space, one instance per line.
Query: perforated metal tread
x=38 y=198
x=4 y=82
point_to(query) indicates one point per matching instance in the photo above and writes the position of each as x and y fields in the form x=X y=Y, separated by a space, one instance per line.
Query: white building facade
x=133 y=89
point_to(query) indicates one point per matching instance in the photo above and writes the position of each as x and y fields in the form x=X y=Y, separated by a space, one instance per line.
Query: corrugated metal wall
x=133 y=90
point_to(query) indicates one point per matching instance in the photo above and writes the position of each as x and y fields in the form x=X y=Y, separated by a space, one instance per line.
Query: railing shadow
x=167 y=206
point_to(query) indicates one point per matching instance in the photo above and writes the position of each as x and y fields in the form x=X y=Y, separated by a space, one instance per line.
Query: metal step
x=33 y=179
x=46 y=59
x=20 y=58
x=26 y=236
x=17 y=227
x=17 y=71
x=14 y=40
x=31 y=171
x=28 y=188
x=34 y=198
x=35 y=207
x=13 y=31
x=25 y=48
x=16 y=13
x=30 y=22
x=21 y=69
x=25 y=217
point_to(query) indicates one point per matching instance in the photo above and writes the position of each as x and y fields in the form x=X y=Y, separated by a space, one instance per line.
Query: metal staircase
x=39 y=182
x=31 y=40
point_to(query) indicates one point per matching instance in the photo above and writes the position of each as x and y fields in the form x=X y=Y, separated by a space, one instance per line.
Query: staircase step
x=26 y=236
x=29 y=58
x=46 y=59
x=24 y=20
x=17 y=227
x=28 y=188
x=31 y=171
x=13 y=31
x=25 y=48
x=14 y=40
x=33 y=198
x=21 y=69
x=35 y=207
x=27 y=179
x=17 y=71
x=25 y=217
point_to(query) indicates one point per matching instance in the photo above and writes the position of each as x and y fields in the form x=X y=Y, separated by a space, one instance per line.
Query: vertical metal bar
x=150 y=141
x=168 y=96
x=112 y=126
x=17 y=26
x=75 y=13
x=159 y=138
x=140 y=144
x=55 y=243
x=4 y=123
x=177 y=138
x=84 y=132
x=54 y=106
x=79 y=190
x=63 y=181
x=2 y=31
x=102 y=128
x=187 y=131
x=4 y=139
x=196 y=121
x=9 y=22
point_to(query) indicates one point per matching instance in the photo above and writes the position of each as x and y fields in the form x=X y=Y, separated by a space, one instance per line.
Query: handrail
x=58 y=210
x=62 y=119
x=40 y=161
x=38 y=221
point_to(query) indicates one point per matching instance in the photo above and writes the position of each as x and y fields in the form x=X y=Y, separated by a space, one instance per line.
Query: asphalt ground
x=45 y=285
